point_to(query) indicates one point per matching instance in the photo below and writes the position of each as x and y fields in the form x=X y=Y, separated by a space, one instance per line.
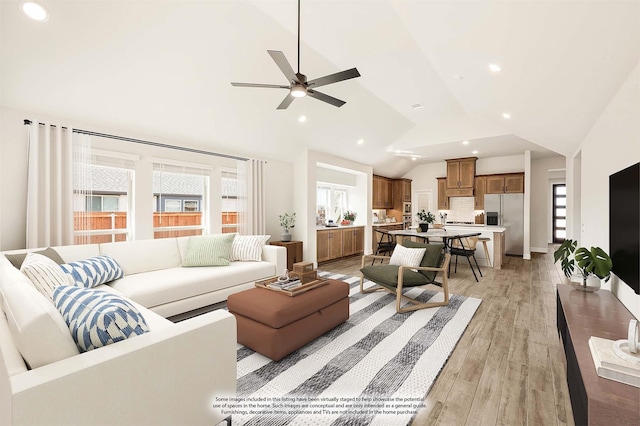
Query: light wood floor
x=508 y=367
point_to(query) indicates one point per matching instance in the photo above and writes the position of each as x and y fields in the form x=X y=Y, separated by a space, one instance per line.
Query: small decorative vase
x=590 y=284
x=424 y=227
x=285 y=236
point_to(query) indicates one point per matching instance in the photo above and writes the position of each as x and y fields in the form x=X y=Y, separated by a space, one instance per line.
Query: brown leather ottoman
x=275 y=324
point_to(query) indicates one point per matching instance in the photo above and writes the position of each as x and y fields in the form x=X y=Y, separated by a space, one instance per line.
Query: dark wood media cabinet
x=594 y=400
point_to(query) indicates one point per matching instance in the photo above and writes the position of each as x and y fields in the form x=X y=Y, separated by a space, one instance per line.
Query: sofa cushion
x=16 y=259
x=97 y=318
x=248 y=247
x=37 y=328
x=93 y=271
x=77 y=252
x=144 y=255
x=209 y=250
x=387 y=275
x=44 y=273
x=169 y=285
x=432 y=257
x=403 y=256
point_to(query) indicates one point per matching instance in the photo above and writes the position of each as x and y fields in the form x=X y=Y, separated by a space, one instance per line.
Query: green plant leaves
x=595 y=261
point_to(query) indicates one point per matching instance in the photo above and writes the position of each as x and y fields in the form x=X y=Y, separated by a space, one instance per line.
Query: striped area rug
x=374 y=369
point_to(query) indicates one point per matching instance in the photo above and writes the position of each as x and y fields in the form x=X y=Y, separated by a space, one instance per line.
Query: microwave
x=407 y=209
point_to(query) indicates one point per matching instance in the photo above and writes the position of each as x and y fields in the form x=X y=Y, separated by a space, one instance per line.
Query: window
x=179 y=193
x=331 y=203
x=229 y=191
x=559 y=213
x=102 y=199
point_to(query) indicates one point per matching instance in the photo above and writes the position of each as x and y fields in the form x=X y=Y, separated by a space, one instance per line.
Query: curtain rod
x=144 y=142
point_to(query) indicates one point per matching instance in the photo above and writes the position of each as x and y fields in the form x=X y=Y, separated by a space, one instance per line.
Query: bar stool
x=484 y=240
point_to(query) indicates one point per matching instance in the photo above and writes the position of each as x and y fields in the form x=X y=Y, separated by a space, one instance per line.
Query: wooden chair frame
x=398 y=290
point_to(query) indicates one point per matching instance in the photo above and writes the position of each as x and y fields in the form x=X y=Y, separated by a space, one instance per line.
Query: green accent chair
x=395 y=279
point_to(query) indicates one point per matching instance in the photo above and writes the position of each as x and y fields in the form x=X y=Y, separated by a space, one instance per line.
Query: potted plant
x=287 y=221
x=348 y=217
x=425 y=219
x=593 y=264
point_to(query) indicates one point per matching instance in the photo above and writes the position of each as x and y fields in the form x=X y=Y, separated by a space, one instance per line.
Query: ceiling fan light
x=298 y=91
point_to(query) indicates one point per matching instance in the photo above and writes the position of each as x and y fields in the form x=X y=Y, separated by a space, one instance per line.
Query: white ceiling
x=164 y=68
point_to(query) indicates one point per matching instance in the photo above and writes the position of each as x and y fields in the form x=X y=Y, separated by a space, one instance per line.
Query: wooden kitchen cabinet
x=479 y=189
x=328 y=244
x=460 y=176
x=443 y=198
x=508 y=183
x=382 y=192
x=401 y=193
x=352 y=240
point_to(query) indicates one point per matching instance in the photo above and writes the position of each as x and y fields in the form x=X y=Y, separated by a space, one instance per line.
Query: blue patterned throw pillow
x=93 y=271
x=97 y=318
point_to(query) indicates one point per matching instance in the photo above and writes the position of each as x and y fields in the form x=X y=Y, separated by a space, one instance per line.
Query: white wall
x=541 y=199
x=612 y=145
x=306 y=169
x=13 y=176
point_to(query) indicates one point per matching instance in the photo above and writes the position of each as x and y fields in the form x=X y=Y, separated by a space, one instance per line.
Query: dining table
x=447 y=237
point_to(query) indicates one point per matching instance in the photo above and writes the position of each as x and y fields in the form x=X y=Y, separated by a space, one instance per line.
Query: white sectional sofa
x=169 y=375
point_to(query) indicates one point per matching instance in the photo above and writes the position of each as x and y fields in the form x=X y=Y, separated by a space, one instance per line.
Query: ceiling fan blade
x=286 y=102
x=283 y=64
x=268 y=86
x=334 y=78
x=325 y=98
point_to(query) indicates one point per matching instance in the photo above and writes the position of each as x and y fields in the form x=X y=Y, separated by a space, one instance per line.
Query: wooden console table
x=294 y=252
x=594 y=399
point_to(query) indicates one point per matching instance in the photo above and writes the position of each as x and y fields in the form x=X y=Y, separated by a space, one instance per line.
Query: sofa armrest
x=168 y=376
x=276 y=255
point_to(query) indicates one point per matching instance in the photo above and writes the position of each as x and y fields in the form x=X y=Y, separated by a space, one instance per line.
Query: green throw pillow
x=209 y=250
x=432 y=256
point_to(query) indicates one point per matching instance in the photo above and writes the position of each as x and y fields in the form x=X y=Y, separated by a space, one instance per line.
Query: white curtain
x=49 y=186
x=251 y=197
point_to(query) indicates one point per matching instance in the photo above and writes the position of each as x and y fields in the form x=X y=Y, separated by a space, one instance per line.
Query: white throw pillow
x=44 y=273
x=248 y=247
x=403 y=256
x=36 y=326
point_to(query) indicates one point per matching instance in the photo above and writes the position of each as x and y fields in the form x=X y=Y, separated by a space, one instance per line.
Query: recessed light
x=417 y=106
x=506 y=115
x=465 y=142
x=302 y=118
x=414 y=158
x=35 y=11
x=458 y=77
x=360 y=141
x=475 y=151
x=495 y=68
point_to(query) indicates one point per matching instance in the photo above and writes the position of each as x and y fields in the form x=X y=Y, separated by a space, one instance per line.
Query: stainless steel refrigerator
x=510 y=215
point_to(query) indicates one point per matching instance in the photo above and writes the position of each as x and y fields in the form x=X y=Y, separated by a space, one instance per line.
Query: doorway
x=559 y=212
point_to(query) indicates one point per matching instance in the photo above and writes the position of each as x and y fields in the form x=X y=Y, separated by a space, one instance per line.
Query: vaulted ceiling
x=164 y=68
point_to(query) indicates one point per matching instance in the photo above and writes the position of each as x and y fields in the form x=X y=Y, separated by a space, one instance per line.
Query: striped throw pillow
x=96 y=318
x=209 y=250
x=93 y=271
x=403 y=256
x=248 y=247
x=44 y=273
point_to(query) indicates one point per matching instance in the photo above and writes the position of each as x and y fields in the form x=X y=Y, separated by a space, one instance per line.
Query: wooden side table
x=294 y=252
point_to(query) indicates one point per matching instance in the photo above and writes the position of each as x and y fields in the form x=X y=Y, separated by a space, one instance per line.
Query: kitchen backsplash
x=461 y=209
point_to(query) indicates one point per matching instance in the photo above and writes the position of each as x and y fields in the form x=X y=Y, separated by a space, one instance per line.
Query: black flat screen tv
x=624 y=225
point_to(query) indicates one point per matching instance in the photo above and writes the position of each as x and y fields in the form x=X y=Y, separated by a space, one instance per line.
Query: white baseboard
x=540 y=249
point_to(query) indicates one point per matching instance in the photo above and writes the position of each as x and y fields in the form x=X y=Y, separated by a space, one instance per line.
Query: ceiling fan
x=298 y=84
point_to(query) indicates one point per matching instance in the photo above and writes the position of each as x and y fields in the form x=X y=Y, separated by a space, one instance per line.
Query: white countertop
x=386 y=224
x=324 y=228
x=480 y=228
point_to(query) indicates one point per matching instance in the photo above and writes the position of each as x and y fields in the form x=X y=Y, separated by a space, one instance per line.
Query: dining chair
x=466 y=247
x=386 y=243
